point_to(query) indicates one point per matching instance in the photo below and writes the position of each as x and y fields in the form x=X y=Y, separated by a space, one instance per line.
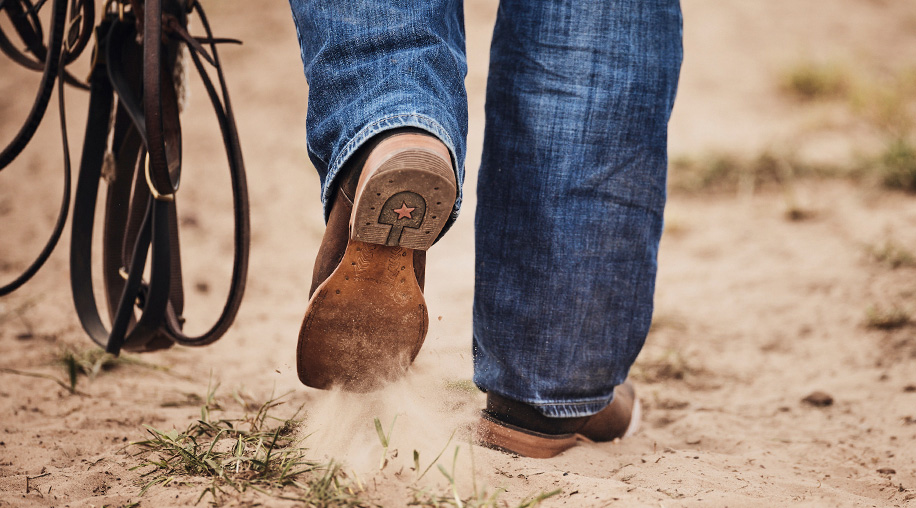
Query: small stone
x=818 y=399
x=887 y=470
x=694 y=440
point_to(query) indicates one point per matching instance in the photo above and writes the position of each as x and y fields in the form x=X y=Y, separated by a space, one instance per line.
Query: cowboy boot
x=516 y=427
x=366 y=318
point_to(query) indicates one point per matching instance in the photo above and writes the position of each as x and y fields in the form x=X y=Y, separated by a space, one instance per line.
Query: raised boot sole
x=365 y=324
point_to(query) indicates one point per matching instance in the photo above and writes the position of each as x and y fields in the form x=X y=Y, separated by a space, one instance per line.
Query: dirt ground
x=754 y=311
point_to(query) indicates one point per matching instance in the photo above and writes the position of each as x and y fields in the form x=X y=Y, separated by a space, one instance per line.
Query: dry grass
x=886 y=104
x=722 y=172
x=259 y=454
x=896 y=166
x=82 y=362
x=92 y=361
x=892 y=254
x=886 y=318
x=717 y=172
x=893 y=168
x=255 y=452
x=809 y=81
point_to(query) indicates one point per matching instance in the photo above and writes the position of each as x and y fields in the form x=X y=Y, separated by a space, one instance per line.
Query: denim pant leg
x=375 y=65
x=571 y=195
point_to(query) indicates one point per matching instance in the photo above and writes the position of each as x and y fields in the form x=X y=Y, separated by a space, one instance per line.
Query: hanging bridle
x=51 y=61
x=133 y=142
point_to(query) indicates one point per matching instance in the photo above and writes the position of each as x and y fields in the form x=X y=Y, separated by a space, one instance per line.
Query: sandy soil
x=754 y=311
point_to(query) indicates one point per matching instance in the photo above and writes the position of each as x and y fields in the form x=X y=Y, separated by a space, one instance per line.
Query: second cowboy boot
x=366 y=318
x=516 y=427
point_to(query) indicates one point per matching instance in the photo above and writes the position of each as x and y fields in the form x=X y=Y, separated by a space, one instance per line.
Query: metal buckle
x=107 y=9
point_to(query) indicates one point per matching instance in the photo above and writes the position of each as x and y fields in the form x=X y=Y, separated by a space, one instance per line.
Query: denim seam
x=420 y=121
x=564 y=409
x=572 y=409
x=308 y=147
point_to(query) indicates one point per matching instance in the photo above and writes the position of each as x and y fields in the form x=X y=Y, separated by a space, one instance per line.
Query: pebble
x=818 y=399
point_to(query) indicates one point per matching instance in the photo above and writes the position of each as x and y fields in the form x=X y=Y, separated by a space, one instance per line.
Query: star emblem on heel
x=404 y=212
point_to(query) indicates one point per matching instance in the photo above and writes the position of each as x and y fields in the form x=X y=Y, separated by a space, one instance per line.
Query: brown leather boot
x=366 y=318
x=516 y=427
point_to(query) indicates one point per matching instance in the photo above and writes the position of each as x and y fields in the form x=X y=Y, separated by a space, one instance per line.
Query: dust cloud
x=421 y=413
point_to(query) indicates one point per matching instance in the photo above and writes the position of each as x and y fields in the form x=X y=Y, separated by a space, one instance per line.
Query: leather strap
x=164 y=154
x=141 y=219
x=49 y=60
x=126 y=330
x=133 y=141
x=52 y=54
x=30 y=32
x=242 y=230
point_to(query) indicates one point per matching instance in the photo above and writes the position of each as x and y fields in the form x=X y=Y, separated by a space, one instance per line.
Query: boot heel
x=405 y=195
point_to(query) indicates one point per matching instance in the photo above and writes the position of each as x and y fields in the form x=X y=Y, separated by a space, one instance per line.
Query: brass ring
x=152 y=188
x=108 y=10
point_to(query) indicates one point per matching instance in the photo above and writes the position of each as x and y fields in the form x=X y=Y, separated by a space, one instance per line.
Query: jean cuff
x=564 y=409
x=388 y=123
x=571 y=409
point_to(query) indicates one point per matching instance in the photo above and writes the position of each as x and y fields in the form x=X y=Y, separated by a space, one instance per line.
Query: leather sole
x=365 y=324
x=506 y=437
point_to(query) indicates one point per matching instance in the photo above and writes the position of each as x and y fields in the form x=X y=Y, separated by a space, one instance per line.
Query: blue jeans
x=571 y=188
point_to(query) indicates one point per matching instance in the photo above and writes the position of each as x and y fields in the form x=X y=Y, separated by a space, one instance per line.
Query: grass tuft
x=90 y=362
x=810 y=81
x=385 y=440
x=76 y=363
x=894 y=168
x=257 y=452
x=886 y=319
x=886 y=102
x=722 y=172
x=897 y=165
x=892 y=254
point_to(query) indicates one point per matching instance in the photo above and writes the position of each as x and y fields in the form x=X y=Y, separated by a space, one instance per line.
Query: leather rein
x=133 y=142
